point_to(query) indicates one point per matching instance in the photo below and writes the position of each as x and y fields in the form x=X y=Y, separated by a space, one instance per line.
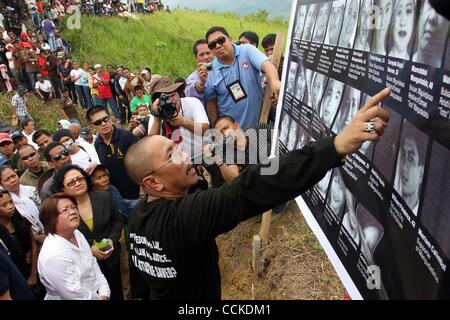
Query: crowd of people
x=123 y=208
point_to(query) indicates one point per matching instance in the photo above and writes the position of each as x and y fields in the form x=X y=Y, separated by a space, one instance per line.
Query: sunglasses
x=60 y=155
x=31 y=155
x=100 y=121
x=74 y=181
x=213 y=44
x=5 y=143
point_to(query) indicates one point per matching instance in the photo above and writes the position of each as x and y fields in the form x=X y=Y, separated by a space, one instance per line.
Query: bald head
x=75 y=130
x=142 y=155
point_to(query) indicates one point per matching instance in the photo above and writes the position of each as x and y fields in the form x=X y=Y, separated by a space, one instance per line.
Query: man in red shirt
x=104 y=97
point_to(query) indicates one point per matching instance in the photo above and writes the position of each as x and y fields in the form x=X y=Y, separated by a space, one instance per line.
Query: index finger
x=376 y=99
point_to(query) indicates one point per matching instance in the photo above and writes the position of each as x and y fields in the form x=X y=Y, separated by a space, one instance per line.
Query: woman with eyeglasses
x=100 y=219
x=66 y=265
x=25 y=198
x=15 y=232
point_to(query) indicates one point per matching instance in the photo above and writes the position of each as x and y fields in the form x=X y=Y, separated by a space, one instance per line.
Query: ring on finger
x=369 y=126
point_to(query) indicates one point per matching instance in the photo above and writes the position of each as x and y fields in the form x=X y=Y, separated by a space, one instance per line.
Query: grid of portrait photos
x=388 y=206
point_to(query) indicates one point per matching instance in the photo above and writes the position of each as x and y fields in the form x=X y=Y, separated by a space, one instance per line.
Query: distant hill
x=277 y=9
x=162 y=41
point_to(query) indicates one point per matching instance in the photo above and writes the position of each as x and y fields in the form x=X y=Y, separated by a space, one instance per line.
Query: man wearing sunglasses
x=35 y=168
x=182 y=227
x=57 y=156
x=233 y=86
x=111 y=145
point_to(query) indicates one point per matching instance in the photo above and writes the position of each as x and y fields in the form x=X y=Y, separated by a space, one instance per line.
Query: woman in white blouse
x=66 y=265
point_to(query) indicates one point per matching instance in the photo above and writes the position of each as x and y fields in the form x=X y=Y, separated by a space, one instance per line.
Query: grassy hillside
x=162 y=41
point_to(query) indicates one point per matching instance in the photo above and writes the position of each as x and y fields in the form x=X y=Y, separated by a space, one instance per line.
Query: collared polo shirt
x=112 y=157
x=246 y=68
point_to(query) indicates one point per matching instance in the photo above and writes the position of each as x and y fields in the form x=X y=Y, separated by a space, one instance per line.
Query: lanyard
x=238 y=71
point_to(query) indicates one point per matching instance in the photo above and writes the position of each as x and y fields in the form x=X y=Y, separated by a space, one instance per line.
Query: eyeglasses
x=213 y=44
x=5 y=143
x=177 y=156
x=74 y=181
x=60 y=155
x=31 y=155
x=68 y=209
x=100 y=121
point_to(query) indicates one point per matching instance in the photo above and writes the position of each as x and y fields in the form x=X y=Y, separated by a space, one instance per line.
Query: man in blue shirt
x=111 y=145
x=234 y=86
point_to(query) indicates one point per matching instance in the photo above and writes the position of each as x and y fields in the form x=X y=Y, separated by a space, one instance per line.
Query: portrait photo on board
x=321 y=22
x=284 y=128
x=300 y=83
x=335 y=197
x=410 y=165
x=365 y=26
x=435 y=215
x=349 y=107
x=309 y=22
x=386 y=148
x=349 y=25
x=401 y=37
x=303 y=138
x=431 y=35
x=291 y=77
x=322 y=185
x=335 y=22
x=371 y=232
x=317 y=88
x=300 y=21
x=383 y=12
x=292 y=135
x=330 y=102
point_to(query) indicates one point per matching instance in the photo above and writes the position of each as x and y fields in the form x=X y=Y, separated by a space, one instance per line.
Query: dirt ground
x=294 y=264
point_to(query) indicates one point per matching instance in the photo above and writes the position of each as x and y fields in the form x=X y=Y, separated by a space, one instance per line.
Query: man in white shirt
x=75 y=130
x=28 y=131
x=44 y=88
x=189 y=122
x=78 y=156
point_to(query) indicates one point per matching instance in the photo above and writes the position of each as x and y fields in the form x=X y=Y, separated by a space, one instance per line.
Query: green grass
x=161 y=41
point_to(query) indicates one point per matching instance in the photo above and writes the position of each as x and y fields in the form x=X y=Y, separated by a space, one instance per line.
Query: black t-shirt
x=11 y=279
x=172 y=243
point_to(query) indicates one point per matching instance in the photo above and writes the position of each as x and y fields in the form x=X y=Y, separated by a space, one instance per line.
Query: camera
x=208 y=66
x=141 y=118
x=166 y=108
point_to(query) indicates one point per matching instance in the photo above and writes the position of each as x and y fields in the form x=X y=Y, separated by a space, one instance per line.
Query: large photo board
x=384 y=216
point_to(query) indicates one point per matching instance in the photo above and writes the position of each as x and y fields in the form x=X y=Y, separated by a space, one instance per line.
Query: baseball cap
x=5 y=137
x=60 y=54
x=4 y=127
x=94 y=167
x=97 y=66
x=84 y=133
x=164 y=85
x=21 y=88
x=39 y=75
x=3 y=159
x=16 y=134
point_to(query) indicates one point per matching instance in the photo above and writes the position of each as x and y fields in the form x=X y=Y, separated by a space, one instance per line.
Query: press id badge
x=237 y=92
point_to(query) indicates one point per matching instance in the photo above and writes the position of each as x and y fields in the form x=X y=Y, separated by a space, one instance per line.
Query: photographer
x=141 y=123
x=196 y=82
x=183 y=120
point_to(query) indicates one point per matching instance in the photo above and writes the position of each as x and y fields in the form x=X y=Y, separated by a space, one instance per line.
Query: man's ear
x=152 y=183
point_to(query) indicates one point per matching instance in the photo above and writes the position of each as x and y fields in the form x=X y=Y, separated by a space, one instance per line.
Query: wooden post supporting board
x=263 y=235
